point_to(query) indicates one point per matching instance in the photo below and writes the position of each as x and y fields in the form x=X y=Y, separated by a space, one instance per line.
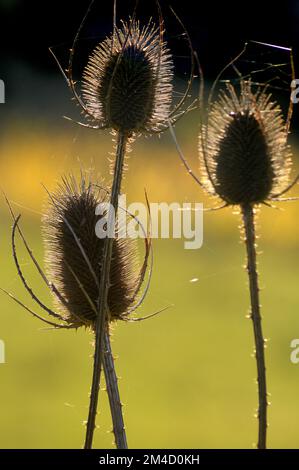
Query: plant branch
x=113 y=394
x=249 y=226
x=102 y=307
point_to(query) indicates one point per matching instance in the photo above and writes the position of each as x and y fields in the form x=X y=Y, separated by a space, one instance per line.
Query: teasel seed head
x=244 y=153
x=127 y=83
x=74 y=205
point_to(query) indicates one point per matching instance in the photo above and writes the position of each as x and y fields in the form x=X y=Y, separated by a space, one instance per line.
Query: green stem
x=113 y=394
x=102 y=317
x=249 y=226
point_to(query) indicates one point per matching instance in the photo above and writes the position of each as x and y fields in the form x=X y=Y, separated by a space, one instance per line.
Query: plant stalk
x=113 y=394
x=102 y=318
x=249 y=226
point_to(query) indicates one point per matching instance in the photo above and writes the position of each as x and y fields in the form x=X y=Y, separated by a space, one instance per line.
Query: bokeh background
x=188 y=375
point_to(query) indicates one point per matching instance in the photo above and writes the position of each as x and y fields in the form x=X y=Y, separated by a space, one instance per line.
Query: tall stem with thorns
x=113 y=394
x=249 y=226
x=102 y=317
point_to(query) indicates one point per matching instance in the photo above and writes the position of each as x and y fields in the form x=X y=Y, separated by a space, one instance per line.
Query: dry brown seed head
x=74 y=204
x=127 y=83
x=244 y=151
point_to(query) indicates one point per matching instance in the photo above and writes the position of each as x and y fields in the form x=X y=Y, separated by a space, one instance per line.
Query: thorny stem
x=103 y=291
x=249 y=225
x=113 y=394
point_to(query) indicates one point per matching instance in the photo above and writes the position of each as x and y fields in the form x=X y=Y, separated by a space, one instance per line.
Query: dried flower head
x=127 y=83
x=244 y=154
x=74 y=254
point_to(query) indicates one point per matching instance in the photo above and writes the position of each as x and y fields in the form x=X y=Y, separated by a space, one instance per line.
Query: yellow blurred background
x=188 y=375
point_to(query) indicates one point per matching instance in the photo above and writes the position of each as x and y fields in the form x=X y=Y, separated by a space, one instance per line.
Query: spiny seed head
x=74 y=205
x=127 y=83
x=245 y=147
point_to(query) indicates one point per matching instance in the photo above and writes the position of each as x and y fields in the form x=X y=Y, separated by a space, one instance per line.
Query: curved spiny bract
x=69 y=230
x=127 y=83
x=245 y=158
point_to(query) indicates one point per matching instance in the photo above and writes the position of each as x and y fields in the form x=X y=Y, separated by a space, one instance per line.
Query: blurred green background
x=188 y=375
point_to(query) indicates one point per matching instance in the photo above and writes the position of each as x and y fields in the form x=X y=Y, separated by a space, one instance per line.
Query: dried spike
x=130 y=89
x=76 y=203
x=247 y=156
